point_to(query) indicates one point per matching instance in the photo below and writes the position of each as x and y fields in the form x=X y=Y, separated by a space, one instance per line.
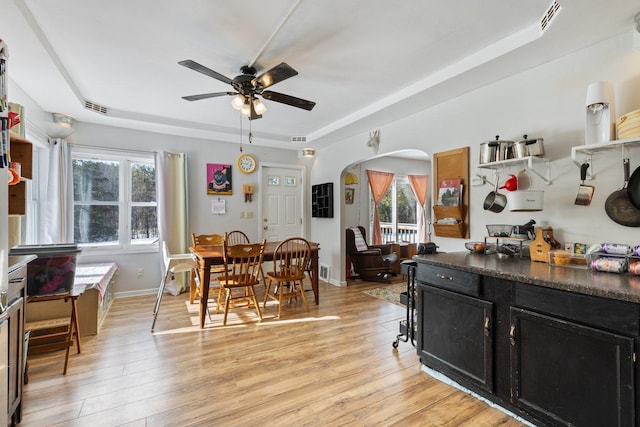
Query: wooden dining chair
x=290 y=260
x=207 y=240
x=236 y=236
x=242 y=264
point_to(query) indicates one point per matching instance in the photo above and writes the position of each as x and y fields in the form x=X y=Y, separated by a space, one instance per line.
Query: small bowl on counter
x=480 y=247
x=475 y=247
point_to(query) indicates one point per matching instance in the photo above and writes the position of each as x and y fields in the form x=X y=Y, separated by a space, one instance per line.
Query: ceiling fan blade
x=275 y=75
x=206 y=95
x=289 y=100
x=204 y=70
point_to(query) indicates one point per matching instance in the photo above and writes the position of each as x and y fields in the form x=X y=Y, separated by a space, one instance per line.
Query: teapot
x=511 y=184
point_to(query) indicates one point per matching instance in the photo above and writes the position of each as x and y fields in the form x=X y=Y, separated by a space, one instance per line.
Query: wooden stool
x=54 y=334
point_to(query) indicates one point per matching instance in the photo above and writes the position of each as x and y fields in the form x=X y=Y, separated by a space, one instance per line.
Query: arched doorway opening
x=356 y=201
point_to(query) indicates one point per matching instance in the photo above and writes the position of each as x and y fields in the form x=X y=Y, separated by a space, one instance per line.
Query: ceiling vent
x=298 y=139
x=95 y=107
x=548 y=17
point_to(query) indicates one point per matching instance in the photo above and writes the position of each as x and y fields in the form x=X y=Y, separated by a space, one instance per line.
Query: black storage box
x=53 y=271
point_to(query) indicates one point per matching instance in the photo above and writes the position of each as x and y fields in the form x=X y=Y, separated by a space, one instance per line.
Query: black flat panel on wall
x=322 y=200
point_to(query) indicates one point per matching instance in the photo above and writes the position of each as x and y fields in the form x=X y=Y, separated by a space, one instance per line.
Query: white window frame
x=125 y=159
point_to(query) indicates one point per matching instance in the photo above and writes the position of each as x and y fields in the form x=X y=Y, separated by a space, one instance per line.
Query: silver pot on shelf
x=495 y=151
x=528 y=147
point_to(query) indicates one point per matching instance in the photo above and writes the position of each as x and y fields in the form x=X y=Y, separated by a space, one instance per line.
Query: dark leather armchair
x=369 y=262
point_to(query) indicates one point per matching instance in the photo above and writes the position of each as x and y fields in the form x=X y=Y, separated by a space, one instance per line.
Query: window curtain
x=420 y=188
x=58 y=226
x=172 y=198
x=379 y=183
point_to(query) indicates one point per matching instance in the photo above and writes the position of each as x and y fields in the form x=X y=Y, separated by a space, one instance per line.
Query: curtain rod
x=112 y=149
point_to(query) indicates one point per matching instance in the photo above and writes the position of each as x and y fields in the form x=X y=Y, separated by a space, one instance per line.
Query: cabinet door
x=455 y=335
x=570 y=374
x=15 y=319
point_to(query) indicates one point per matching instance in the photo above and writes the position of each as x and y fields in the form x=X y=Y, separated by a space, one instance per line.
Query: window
x=398 y=213
x=114 y=200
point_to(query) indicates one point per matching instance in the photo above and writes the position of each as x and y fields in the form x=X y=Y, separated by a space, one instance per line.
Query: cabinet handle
x=442 y=276
x=487 y=329
x=512 y=335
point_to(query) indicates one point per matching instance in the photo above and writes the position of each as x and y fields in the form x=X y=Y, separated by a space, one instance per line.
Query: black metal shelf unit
x=408 y=326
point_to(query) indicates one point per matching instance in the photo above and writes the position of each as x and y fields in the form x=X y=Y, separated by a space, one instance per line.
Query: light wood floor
x=332 y=366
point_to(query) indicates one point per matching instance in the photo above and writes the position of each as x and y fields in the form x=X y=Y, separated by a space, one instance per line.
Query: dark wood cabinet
x=456 y=336
x=570 y=374
x=551 y=356
x=15 y=322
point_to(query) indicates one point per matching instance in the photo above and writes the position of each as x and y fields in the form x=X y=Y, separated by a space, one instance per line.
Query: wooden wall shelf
x=453 y=164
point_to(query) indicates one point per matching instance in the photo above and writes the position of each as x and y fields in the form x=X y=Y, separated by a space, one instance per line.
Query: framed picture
x=219 y=179
x=290 y=181
x=273 y=180
x=348 y=195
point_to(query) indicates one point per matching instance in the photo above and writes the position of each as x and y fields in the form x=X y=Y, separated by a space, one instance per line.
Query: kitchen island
x=554 y=345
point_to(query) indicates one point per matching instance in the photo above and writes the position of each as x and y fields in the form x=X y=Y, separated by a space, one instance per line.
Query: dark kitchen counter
x=623 y=287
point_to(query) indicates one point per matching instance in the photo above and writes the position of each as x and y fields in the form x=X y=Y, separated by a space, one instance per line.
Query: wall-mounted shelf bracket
x=584 y=153
x=539 y=167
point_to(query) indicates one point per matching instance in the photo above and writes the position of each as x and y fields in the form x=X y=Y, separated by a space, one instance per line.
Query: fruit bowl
x=476 y=247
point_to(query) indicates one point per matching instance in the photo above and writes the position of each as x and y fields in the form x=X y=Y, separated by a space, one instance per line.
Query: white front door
x=282 y=203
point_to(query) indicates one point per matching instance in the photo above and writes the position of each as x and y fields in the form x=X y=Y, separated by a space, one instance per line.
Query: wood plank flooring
x=332 y=366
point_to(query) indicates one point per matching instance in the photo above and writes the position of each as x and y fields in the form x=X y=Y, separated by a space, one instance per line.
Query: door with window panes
x=398 y=213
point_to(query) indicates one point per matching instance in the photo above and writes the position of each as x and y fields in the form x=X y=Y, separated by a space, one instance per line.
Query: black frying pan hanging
x=633 y=189
x=618 y=206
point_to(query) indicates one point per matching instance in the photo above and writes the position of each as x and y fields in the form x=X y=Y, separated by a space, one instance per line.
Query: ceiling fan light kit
x=248 y=87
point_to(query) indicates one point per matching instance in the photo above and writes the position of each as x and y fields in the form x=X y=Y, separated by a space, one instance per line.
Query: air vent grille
x=298 y=139
x=95 y=107
x=548 y=17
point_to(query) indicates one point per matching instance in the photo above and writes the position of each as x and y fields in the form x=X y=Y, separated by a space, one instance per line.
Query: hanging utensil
x=618 y=206
x=495 y=201
x=524 y=181
x=511 y=184
x=585 y=192
x=634 y=188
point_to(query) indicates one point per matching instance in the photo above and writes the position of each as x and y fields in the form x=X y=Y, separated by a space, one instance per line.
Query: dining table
x=208 y=255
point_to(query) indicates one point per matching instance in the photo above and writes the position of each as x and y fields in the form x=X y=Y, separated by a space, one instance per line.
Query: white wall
x=547 y=102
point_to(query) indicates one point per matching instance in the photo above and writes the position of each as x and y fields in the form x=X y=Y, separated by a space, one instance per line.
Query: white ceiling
x=364 y=62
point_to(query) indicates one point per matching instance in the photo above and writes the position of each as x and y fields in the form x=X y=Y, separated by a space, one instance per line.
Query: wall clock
x=247 y=163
